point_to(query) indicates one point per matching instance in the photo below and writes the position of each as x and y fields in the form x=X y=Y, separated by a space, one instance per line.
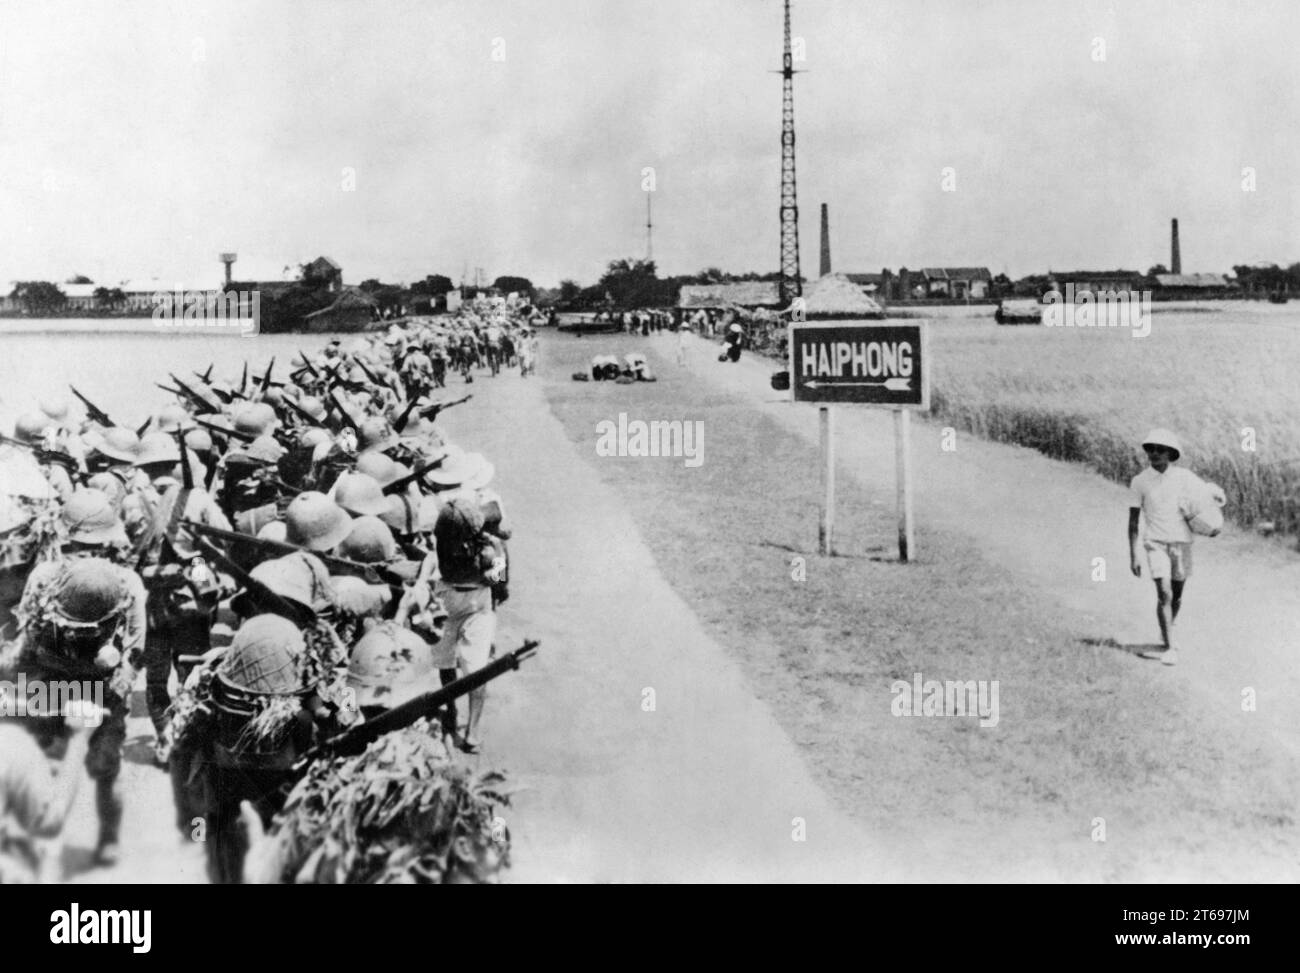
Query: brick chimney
x=1175 y=258
x=826 y=241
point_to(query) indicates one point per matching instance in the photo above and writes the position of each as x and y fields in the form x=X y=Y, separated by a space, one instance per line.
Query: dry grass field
x=1223 y=381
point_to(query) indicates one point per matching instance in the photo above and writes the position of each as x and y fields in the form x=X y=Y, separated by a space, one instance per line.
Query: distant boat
x=1019 y=311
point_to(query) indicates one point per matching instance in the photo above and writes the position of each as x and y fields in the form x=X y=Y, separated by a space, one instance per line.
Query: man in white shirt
x=1157 y=499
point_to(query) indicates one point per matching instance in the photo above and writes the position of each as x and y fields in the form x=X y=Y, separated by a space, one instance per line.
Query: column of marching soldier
x=299 y=556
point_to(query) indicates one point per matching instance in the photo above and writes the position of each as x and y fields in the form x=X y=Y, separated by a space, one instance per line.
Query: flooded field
x=117 y=367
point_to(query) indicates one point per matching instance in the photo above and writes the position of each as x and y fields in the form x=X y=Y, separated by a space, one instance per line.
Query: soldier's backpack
x=461 y=542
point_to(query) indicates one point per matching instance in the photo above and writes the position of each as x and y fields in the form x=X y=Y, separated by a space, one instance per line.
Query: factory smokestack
x=826 y=241
x=1175 y=258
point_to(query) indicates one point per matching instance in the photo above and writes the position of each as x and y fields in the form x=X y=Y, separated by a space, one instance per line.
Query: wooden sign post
x=880 y=365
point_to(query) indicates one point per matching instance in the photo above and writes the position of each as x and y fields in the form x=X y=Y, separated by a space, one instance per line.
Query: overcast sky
x=140 y=139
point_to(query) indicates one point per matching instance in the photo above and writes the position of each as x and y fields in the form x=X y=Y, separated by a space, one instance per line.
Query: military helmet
x=316 y=522
x=314 y=407
x=158 y=448
x=199 y=440
x=273 y=396
x=110 y=486
x=313 y=436
x=91 y=518
x=255 y=418
x=172 y=417
x=377 y=465
x=359 y=494
x=274 y=531
x=117 y=443
x=371 y=542
x=90 y=591
x=376 y=434
x=390 y=665
x=264 y=657
x=55 y=407
x=31 y=426
x=265 y=448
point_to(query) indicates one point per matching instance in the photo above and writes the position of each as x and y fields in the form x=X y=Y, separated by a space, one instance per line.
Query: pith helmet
x=391 y=665
x=375 y=433
x=90 y=592
x=158 y=447
x=1165 y=438
x=117 y=443
x=171 y=418
x=199 y=440
x=110 y=486
x=91 y=518
x=31 y=427
x=378 y=466
x=264 y=657
x=313 y=436
x=56 y=408
x=359 y=495
x=371 y=542
x=255 y=418
x=314 y=407
x=316 y=522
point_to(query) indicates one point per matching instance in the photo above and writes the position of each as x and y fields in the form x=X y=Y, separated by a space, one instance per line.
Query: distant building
x=80 y=297
x=931 y=283
x=749 y=294
x=958 y=283
x=1192 y=285
x=325 y=269
x=1097 y=281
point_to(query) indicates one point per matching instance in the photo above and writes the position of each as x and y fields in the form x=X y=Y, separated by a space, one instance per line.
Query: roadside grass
x=1085 y=730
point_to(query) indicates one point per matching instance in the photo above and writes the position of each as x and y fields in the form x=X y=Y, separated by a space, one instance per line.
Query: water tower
x=228 y=259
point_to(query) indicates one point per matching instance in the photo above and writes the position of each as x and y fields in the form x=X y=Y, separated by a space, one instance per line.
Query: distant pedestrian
x=735 y=337
x=1160 y=496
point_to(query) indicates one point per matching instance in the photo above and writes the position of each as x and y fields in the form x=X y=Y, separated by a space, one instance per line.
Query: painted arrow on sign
x=893 y=384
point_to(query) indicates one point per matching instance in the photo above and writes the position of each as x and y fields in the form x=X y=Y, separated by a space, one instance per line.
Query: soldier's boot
x=108 y=804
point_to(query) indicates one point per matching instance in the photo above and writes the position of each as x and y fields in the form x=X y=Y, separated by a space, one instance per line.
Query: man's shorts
x=1169 y=559
x=470 y=628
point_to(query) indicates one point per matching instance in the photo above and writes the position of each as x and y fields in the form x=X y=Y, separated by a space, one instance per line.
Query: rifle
x=243 y=379
x=400 y=422
x=372 y=573
x=369 y=374
x=143 y=426
x=92 y=410
x=348 y=421
x=301 y=615
x=200 y=403
x=431 y=412
x=307 y=364
x=266 y=379
x=354 y=740
x=42 y=454
x=206 y=377
x=300 y=412
x=400 y=484
x=187 y=472
x=243 y=437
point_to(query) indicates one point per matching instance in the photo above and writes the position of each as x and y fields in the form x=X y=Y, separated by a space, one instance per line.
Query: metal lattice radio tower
x=791 y=281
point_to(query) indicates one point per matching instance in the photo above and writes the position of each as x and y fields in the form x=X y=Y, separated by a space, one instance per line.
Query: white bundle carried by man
x=1202 y=507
